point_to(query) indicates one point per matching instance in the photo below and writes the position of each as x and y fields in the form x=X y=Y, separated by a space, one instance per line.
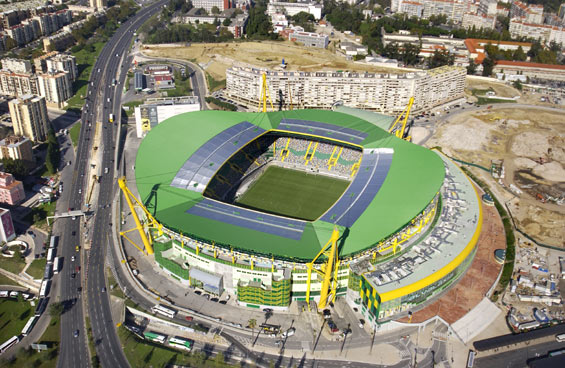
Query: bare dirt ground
x=217 y=57
x=501 y=89
x=531 y=144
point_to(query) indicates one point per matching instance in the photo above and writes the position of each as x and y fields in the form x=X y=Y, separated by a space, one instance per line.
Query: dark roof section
x=201 y=166
x=505 y=340
x=253 y=220
x=360 y=193
x=323 y=130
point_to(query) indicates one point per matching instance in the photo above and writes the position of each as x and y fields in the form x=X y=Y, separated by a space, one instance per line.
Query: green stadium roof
x=415 y=177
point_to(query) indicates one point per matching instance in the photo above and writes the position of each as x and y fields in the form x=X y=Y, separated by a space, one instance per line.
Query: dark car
x=73 y=275
x=215 y=299
x=198 y=292
x=223 y=302
x=76 y=333
x=268 y=310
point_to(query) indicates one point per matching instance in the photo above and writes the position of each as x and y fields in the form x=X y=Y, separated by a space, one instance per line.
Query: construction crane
x=398 y=128
x=328 y=272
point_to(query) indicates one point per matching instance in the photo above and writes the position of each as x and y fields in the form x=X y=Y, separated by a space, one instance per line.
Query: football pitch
x=293 y=193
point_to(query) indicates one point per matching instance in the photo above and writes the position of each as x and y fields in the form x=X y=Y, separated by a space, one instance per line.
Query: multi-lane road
x=102 y=99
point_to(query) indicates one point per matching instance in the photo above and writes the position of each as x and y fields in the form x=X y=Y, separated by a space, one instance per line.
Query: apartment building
x=412 y=8
x=478 y=21
x=386 y=93
x=453 y=9
x=98 y=4
x=16 y=148
x=532 y=13
x=209 y=4
x=291 y=9
x=17 y=65
x=521 y=28
x=62 y=62
x=56 y=87
x=11 y=190
x=488 y=7
x=7 y=231
x=29 y=117
x=58 y=41
x=18 y=84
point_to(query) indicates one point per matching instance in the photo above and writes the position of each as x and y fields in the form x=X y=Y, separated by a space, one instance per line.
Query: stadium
x=249 y=203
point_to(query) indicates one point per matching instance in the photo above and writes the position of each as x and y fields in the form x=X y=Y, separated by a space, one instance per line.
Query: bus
x=56 y=265
x=44 y=288
x=111 y=118
x=50 y=255
x=155 y=337
x=471 y=358
x=181 y=343
x=167 y=312
x=40 y=307
x=8 y=344
x=29 y=325
x=53 y=241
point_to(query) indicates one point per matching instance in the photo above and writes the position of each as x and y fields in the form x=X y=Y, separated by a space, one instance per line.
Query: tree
x=488 y=66
x=440 y=58
x=53 y=154
x=252 y=323
x=410 y=54
x=519 y=54
x=517 y=84
x=215 y=10
x=226 y=22
x=56 y=309
x=259 y=24
x=472 y=68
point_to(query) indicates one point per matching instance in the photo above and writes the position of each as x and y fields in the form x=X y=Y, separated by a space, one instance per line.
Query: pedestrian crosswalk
x=404 y=354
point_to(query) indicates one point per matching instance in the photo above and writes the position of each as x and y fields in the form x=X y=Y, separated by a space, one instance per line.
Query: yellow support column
x=328 y=270
x=308 y=281
x=146 y=242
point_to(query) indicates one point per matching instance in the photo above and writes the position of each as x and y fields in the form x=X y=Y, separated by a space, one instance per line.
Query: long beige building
x=29 y=117
x=386 y=93
x=56 y=87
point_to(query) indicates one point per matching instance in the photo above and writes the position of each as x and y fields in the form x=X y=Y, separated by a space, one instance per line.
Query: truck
x=111 y=118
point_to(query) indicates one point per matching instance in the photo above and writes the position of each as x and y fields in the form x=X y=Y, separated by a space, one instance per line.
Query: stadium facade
x=408 y=219
x=385 y=93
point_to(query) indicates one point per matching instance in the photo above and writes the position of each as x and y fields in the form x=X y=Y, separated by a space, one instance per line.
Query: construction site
x=520 y=153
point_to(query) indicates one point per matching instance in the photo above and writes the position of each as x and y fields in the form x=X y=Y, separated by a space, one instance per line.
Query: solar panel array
x=323 y=130
x=201 y=166
x=253 y=220
x=369 y=179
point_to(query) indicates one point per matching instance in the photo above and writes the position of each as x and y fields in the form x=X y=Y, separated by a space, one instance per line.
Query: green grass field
x=14 y=315
x=293 y=193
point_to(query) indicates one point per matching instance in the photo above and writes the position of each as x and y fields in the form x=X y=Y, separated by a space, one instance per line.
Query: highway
x=73 y=352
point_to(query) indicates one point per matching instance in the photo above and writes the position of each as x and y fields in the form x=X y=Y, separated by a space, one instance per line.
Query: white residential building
x=387 y=93
x=56 y=87
x=478 y=21
x=209 y=4
x=521 y=28
x=532 y=13
x=16 y=65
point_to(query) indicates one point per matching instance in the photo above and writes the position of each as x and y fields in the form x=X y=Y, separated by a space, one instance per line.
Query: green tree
x=56 y=309
x=517 y=84
x=215 y=10
x=410 y=54
x=488 y=66
x=226 y=22
x=519 y=54
x=472 y=68
x=259 y=24
x=440 y=58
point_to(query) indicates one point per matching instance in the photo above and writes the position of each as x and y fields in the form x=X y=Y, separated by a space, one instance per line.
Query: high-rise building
x=99 y=4
x=7 y=231
x=29 y=117
x=16 y=148
x=11 y=190
x=532 y=13
x=291 y=9
x=16 y=65
x=62 y=62
x=18 y=84
x=56 y=87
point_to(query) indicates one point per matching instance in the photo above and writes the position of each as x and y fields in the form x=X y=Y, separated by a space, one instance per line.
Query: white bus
x=163 y=311
x=155 y=337
x=53 y=241
x=50 y=255
x=8 y=344
x=29 y=325
x=44 y=288
x=180 y=343
x=56 y=265
x=560 y=338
